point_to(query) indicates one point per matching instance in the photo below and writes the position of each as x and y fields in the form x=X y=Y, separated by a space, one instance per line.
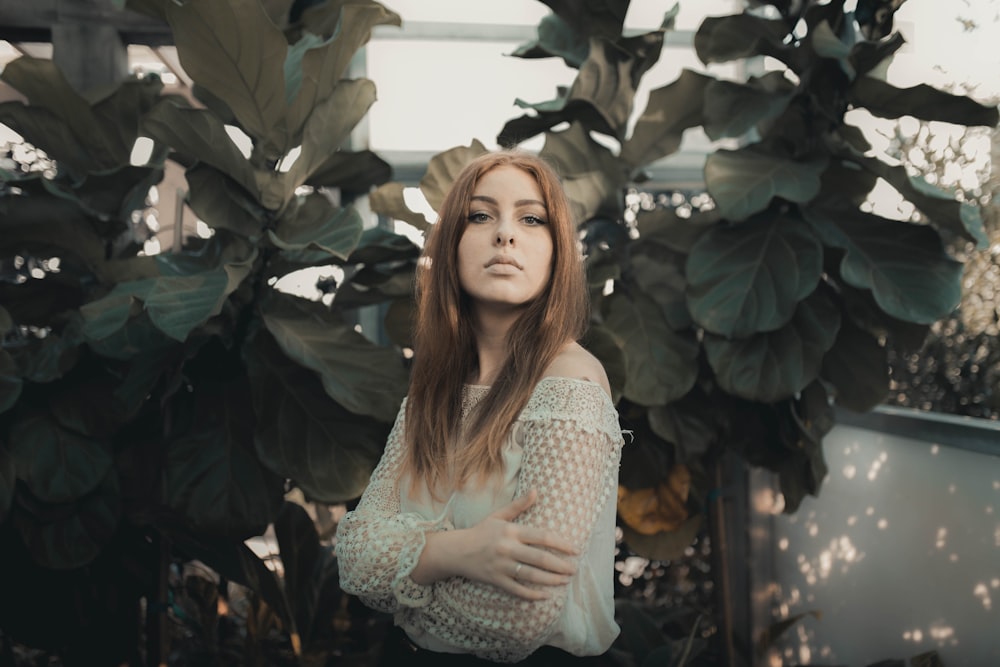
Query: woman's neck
x=491 y=344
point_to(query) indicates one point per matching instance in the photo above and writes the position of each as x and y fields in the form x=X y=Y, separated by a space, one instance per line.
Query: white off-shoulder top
x=566 y=444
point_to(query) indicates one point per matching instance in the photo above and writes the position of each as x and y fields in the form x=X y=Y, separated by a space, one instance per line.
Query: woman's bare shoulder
x=573 y=361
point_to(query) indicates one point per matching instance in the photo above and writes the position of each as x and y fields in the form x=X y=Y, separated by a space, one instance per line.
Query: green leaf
x=388 y=200
x=858 y=368
x=685 y=427
x=44 y=129
x=8 y=478
x=233 y=49
x=316 y=224
x=328 y=126
x=826 y=44
x=921 y=101
x=661 y=364
x=44 y=85
x=110 y=196
x=6 y=322
x=304 y=435
x=362 y=377
x=351 y=171
x=905 y=265
x=202 y=136
x=593 y=18
x=323 y=64
x=801 y=473
x=10 y=382
x=380 y=245
x=940 y=206
x=444 y=168
x=177 y=301
x=602 y=94
x=743 y=182
x=750 y=277
x=556 y=38
x=222 y=203
x=372 y=284
x=593 y=178
x=659 y=272
x=57 y=465
x=137 y=337
x=732 y=109
x=69 y=537
x=724 y=38
x=600 y=342
x=768 y=367
x=213 y=476
x=867 y=55
x=669 y=111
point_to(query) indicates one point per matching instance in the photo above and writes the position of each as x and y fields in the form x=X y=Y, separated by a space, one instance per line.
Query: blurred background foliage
x=157 y=411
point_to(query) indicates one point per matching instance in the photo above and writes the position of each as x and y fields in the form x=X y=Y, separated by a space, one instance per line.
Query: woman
x=488 y=526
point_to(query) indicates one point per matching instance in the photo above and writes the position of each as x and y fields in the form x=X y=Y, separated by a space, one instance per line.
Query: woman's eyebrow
x=519 y=202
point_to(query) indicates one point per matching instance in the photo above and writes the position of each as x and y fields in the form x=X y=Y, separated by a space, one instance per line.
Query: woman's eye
x=478 y=217
x=533 y=220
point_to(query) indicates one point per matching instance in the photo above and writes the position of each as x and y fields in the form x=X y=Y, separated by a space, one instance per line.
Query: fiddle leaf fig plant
x=177 y=396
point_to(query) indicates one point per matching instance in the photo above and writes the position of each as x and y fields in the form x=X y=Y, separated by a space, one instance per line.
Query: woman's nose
x=505 y=234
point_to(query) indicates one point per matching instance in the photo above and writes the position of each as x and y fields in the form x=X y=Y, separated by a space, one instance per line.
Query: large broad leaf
x=351 y=171
x=593 y=178
x=388 y=200
x=10 y=382
x=658 y=271
x=686 y=425
x=661 y=364
x=750 y=277
x=743 y=182
x=317 y=66
x=380 y=245
x=867 y=55
x=110 y=197
x=556 y=38
x=8 y=478
x=940 y=206
x=57 y=465
x=316 y=224
x=66 y=537
x=44 y=129
x=359 y=375
x=233 y=49
x=213 y=476
x=222 y=203
x=602 y=94
x=724 y=38
x=858 y=368
x=602 y=344
x=920 y=101
x=374 y=284
x=732 y=109
x=328 y=126
x=181 y=298
x=43 y=84
x=303 y=434
x=444 y=168
x=904 y=265
x=669 y=111
x=200 y=135
x=593 y=18
x=233 y=560
x=769 y=367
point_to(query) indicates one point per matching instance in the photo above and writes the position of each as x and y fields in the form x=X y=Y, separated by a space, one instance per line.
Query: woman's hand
x=515 y=558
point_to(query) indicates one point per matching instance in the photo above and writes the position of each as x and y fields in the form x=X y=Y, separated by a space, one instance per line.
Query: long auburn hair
x=440 y=448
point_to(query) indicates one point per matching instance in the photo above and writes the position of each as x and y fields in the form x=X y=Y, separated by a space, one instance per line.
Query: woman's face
x=505 y=253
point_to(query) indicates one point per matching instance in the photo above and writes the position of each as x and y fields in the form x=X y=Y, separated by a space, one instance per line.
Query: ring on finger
x=517 y=569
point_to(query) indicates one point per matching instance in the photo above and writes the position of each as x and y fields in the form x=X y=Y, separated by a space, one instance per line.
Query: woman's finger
x=512 y=510
x=546 y=538
x=544 y=560
x=529 y=574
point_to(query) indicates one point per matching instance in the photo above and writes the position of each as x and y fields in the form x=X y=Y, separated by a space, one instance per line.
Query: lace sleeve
x=377 y=546
x=572 y=447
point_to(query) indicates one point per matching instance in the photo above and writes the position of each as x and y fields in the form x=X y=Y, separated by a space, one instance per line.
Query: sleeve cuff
x=407 y=592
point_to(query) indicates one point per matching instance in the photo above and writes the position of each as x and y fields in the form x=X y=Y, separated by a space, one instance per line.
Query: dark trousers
x=399 y=651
